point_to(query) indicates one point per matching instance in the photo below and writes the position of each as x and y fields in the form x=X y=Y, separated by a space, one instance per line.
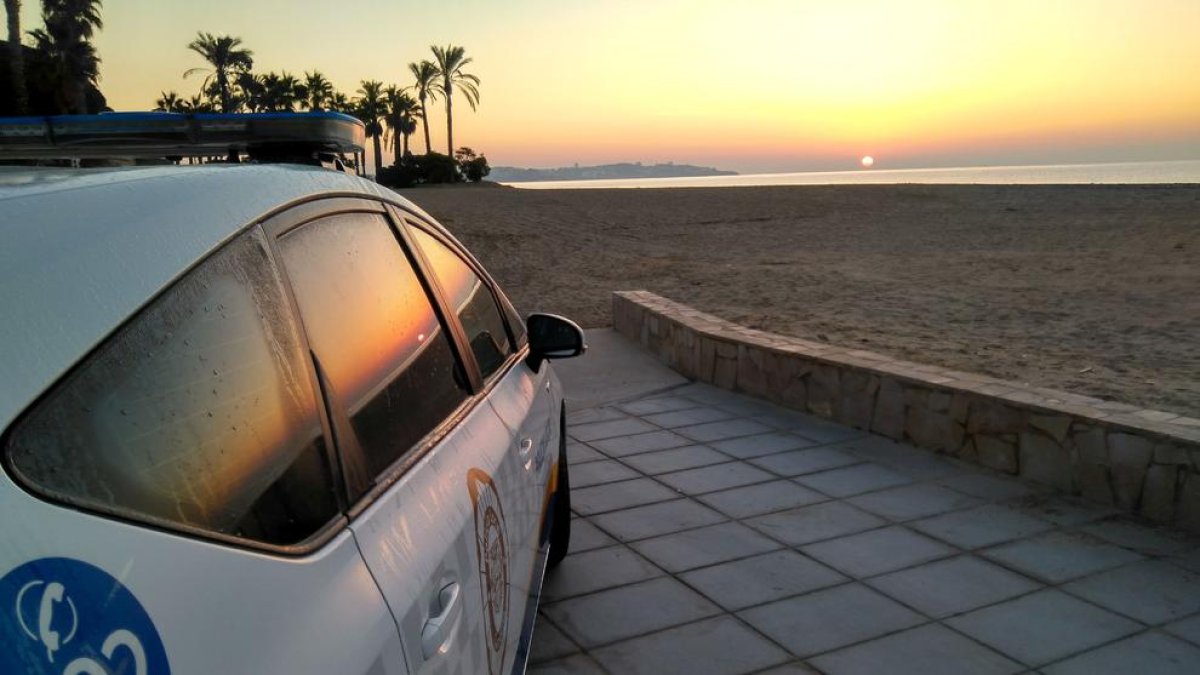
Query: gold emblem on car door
x=491 y=544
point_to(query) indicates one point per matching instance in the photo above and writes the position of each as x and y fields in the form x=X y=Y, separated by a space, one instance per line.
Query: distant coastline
x=624 y=170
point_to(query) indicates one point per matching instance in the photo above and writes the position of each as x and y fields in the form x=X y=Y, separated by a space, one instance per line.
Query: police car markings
x=492 y=547
x=59 y=611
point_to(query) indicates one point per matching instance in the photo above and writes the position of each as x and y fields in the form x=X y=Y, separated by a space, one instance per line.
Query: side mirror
x=552 y=337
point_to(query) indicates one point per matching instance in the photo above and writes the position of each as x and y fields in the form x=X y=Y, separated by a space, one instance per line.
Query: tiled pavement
x=714 y=533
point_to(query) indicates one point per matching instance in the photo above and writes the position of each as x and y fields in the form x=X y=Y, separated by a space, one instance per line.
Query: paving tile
x=657 y=519
x=580 y=453
x=1144 y=539
x=549 y=643
x=651 y=406
x=1060 y=556
x=981 y=526
x=1188 y=629
x=749 y=407
x=793 y=668
x=596 y=473
x=925 y=650
x=761 y=444
x=853 y=480
x=715 y=477
x=805 y=461
x=1063 y=511
x=689 y=417
x=828 y=619
x=764 y=578
x=604 y=617
x=1189 y=560
x=632 y=445
x=813 y=428
x=586 y=536
x=870 y=553
x=909 y=502
x=676 y=459
x=595 y=431
x=704 y=546
x=1146 y=653
x=940 y=589
x=911 y=461
x=576 y=664
x=1150 y=591
x=612 y=496
x=809 y=524
x=754 y=500
x=989 y=487
x=717 y=431
x=1043 y=627
x=707 y=394
x=596 y=570
x=590 y=415
x=718 y=646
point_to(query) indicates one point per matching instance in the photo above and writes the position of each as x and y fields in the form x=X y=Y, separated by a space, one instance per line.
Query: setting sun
x=868 y=162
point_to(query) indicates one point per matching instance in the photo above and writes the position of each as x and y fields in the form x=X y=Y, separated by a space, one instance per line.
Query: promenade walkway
x=715 y=533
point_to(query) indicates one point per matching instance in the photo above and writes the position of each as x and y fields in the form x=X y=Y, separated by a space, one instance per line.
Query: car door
x=519 y=394
x=180 y=511
x=427 y=461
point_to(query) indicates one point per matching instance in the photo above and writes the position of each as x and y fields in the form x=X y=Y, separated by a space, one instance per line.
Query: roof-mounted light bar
x=173 y=135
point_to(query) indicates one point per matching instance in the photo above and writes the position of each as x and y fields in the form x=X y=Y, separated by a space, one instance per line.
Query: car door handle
x=436 y=634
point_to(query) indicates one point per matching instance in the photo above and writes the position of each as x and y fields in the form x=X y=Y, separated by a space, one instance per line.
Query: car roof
x=84 y=249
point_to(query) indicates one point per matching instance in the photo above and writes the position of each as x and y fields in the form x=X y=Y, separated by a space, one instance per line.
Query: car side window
x=385 y=355
x=471 y=300
x=198 y=412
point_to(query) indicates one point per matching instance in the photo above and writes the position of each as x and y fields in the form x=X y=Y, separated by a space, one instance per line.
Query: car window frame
x=313 y=543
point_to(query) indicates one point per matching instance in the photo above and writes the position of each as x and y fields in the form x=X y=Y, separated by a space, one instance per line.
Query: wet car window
x=373 y=329
x=471 y=300
x=199 y=412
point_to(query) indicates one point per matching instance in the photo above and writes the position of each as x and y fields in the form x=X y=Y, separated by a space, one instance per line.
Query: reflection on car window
x=471 y=300
x=200 y=412
x=374 y=331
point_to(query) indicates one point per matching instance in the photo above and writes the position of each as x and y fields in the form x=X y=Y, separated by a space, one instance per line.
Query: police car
x=261 y=417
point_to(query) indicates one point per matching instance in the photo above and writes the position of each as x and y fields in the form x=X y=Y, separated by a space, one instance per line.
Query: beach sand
x=1088 y=289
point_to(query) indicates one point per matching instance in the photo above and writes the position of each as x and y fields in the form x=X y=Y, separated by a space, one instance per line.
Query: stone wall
x=1144 y=461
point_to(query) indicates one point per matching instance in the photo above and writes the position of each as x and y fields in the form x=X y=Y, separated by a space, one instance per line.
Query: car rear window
x=198 y=412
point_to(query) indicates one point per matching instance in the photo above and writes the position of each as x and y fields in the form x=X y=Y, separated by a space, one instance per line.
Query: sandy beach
x=1090 y=289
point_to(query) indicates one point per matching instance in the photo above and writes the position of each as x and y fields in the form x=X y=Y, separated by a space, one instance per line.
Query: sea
x=1141 y=173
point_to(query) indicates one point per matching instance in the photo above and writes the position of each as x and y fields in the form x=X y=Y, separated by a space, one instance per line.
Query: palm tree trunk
x=425 y=124
x=16 y=56
x=449 y=119
x=378 y=155
x=405 y=153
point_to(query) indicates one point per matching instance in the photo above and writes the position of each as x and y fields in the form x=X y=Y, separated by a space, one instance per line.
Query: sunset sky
x=754 y=85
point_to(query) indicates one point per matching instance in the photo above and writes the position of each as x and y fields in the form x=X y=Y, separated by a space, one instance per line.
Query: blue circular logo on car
x=59 y=615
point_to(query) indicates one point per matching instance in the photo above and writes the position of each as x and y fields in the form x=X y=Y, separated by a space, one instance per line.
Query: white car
x=265 y=418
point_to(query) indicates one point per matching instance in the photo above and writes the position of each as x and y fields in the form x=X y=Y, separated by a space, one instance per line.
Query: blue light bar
x=144 y=135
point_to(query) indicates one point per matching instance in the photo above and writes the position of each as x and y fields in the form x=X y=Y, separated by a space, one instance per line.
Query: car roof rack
x=324 y=138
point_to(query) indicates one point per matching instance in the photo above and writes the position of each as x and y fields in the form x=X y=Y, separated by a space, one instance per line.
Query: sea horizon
x=1108 y=173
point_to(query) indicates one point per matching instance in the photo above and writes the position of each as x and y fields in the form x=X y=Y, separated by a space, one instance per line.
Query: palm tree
x=339 y=102
x=169 y=101
x=280 y=93
x=426 y=74
x=402 y=112
x=65 y=43
x=371 y=107
x=16 y=57
x=223 y=54
x=450 y=62
x=318 y=90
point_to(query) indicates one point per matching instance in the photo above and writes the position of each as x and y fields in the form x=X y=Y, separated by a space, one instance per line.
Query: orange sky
x=755 y=85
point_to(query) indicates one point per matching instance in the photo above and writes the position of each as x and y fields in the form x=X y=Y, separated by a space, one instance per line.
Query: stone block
x=725 y=371
x=1090 y=444
x=1055 y=426
x=855 y=402
x=752 y=371
x=1170 y=453
x=993 y=417
x=1129 y=457
x=996 y=453
x=1158 y=492
x=960 y=406
x=888 y=417
x=1045 y=461
x=1094 y=483
x=822 y=390
x=969 y=452
x=939 y=401
x=1187 y=508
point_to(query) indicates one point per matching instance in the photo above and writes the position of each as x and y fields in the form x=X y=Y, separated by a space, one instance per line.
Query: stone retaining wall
x=1145 y=461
